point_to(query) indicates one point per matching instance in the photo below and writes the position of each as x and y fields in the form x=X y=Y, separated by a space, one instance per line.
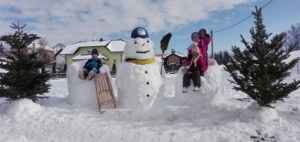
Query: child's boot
x=184 y=90
x=90 y=75
x=81 y=74
x=196 y=89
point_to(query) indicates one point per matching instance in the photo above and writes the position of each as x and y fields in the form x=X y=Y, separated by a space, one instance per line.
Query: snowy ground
x=54 y=120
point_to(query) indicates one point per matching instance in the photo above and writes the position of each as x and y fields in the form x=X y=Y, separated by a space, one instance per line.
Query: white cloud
x=74 y=20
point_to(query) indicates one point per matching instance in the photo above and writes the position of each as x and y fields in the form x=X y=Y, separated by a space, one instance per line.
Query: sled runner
x=104 y=90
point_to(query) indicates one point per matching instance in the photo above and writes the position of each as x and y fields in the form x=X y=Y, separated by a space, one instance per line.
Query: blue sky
x=71 y=21
x=278 y=17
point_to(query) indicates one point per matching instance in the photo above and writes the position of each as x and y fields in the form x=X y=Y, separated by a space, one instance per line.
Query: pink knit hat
x=195 y=49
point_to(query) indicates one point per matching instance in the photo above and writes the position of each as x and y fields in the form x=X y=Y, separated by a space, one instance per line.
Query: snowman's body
x=138 y=78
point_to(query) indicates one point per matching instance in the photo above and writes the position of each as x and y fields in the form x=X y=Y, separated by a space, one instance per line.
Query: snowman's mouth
x=143 y=52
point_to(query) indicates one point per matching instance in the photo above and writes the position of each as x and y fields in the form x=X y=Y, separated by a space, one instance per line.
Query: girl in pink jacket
x=205 y=38
x=196 y=68
x=201 y=44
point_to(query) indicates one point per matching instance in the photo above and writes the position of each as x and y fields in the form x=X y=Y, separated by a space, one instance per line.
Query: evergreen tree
x=1 y=49
x=23 y=79
x=259 y=71
x=222 y=57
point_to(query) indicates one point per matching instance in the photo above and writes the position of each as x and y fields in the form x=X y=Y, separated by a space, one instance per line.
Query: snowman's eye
x=147 y=41
x=135 y=42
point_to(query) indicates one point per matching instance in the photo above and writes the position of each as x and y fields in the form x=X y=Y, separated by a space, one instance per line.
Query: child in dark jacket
x=91 y=67
x=197 y=68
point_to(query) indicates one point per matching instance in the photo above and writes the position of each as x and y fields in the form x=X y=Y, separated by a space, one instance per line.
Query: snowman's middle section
x=140 y=84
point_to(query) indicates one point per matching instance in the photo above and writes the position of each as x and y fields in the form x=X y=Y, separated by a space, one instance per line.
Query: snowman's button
x=146 y=72
x=147 y=83
x=147 y=95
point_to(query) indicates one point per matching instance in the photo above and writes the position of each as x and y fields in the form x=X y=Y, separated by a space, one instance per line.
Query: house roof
x=58 y=45
x=112 y=45
x=116 y=45
x=87 y=56
x=58 y=52
x=176 y=53
x=37 y=46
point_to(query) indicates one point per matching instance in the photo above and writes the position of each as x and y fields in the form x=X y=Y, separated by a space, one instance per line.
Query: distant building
x=58 y=47
x=171 y=61
x=59 y=61
x=110 y=51
x=174 y=58
x=35 y=47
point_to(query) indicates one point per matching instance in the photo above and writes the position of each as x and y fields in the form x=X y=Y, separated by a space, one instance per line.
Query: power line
x=232 y=25
x=242 y=20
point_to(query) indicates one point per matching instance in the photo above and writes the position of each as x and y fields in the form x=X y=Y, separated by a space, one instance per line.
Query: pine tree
x=1 y=49
x=23 y=79
x=259 y=71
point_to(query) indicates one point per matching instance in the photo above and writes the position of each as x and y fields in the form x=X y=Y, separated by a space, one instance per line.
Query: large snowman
x=138 y=77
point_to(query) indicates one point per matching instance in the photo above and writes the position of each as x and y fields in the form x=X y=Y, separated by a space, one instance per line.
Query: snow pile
x=256 y=112
x=222 y=67
x=16 y=138
x=23 y=106
x=82 y=92
x=61 y=122
x=293 y=55
x=211 y=90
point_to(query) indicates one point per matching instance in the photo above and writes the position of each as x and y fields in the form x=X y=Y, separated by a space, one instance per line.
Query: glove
x=207 y=35
x=201 y=73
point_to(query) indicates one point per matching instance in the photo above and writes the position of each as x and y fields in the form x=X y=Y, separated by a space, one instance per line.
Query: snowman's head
x=139 y=47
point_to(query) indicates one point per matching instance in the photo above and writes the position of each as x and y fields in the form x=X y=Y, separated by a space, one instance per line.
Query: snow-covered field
x=233 y=120
x=54 y=120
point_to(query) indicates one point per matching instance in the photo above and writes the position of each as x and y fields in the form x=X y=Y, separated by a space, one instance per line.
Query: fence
x=58 y=75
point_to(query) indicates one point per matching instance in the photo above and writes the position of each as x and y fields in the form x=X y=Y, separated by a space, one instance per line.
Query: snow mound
x=23 y=106
x=82 y=92
x=222 y=67
x=293 y=55
x=17 y=138
x=211 y=90
x=256 y=112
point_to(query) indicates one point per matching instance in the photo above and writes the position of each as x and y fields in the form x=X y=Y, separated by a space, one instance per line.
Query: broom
x=163 y=46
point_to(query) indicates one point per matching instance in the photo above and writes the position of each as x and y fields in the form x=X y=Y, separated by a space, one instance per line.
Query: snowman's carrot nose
x=143 y=44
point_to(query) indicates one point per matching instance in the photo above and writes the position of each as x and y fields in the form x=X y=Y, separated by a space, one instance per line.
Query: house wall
x=60 y=62
x=49 y=54
x=103 y=50
x=174 y=59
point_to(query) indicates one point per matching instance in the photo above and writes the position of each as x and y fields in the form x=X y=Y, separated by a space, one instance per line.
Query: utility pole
x=212 y=44
x=94 y=36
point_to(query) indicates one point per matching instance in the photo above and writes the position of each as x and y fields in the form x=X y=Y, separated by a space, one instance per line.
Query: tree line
x=292 y=38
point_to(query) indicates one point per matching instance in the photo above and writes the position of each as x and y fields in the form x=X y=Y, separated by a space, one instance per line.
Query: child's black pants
x=195 y=76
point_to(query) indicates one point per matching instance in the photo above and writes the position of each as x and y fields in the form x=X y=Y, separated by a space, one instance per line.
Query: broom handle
x=162 y=62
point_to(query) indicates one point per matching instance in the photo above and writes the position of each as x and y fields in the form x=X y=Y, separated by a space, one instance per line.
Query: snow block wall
x=82 y=92
x=211 y=90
